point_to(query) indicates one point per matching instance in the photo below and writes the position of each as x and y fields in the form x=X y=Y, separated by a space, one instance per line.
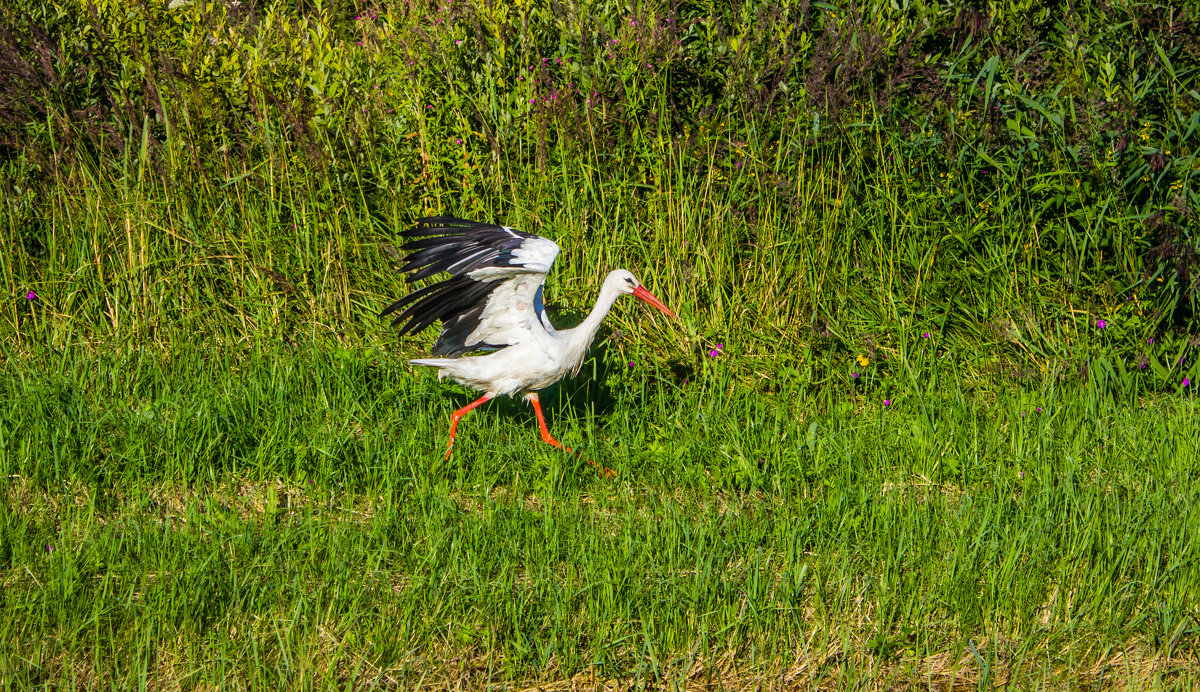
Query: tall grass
x=243 y=171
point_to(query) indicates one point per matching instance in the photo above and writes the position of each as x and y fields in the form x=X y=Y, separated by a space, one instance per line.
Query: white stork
x=493 y=302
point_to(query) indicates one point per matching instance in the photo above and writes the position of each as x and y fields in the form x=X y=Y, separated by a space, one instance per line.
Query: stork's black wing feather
x=458 y=246
x=479 y=258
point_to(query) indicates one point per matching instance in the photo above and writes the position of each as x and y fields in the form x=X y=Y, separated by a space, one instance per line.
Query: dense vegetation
x=928 y=415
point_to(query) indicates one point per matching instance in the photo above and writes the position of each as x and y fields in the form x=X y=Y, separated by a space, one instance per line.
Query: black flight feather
x=448 y=244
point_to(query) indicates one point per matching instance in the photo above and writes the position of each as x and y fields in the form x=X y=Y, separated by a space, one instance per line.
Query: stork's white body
x=537 y=354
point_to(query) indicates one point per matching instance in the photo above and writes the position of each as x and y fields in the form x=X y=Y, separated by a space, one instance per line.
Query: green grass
x=283 y=518
x=945 y=259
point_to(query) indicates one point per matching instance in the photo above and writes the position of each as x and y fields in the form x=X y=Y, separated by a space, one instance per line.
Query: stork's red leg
x=459 y=414
x=546 y=436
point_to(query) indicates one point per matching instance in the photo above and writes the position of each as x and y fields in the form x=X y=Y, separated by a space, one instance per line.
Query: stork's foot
x=601 y=468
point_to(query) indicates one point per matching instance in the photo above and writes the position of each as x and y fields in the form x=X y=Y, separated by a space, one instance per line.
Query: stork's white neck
x=579 y=338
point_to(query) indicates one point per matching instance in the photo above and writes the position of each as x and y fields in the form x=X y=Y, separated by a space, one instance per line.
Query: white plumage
x=493 y=302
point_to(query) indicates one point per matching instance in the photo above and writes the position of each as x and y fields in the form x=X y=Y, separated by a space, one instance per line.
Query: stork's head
x=626 y=282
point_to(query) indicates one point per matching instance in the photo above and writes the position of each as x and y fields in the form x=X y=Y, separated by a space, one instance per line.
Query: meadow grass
x=927 y=420
x=283 y=518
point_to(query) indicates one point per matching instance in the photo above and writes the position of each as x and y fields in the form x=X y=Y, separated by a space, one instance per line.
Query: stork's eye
x=629 y=281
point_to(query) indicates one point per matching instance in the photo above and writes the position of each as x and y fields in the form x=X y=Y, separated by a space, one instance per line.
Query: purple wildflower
x=854 y=375
x=1150 y=340
x=31 y=295
x=925 y=335
x=1101 y=324
x=1186 y=382
x=887 y=402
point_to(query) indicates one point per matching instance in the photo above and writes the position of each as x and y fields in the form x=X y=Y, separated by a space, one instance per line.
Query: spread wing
x=494 y=294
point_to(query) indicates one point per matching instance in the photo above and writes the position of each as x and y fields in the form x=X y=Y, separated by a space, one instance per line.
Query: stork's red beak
x=641 y=293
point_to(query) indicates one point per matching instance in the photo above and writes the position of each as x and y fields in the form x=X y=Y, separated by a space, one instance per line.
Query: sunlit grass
x=283 y=517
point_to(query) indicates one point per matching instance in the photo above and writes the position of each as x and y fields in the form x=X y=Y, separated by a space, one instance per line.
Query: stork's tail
x=435 y=362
